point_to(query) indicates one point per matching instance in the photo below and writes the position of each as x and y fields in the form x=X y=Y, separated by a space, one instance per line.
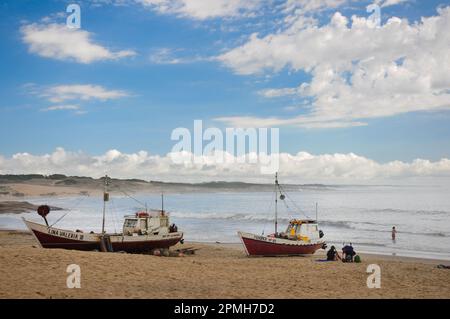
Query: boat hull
x=268 y=246
x=50 y=237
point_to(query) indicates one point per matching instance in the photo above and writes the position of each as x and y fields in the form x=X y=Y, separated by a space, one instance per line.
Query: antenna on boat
x=276 y=202
x=105 y=199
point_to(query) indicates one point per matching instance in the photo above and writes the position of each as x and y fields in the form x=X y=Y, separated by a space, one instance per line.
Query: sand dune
x=16 y=207
x=14 y=186
x=216 y=271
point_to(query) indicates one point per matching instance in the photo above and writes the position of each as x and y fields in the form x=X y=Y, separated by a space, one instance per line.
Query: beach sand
x=215 y=271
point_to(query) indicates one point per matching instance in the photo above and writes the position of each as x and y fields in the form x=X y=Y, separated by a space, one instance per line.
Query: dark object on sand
x=174 y=253
x=442 y=266
x=187 y=251
x=105 y=244
x=157 y=252
x=165 y=252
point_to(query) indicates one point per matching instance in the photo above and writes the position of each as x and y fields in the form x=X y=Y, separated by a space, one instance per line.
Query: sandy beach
x=215 y=271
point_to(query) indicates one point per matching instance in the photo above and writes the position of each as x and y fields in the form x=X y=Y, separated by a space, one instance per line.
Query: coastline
x=16 y=187
x=215 y=271
x=56 y=192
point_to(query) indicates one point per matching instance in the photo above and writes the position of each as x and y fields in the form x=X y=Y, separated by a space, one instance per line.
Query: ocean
x=361 y=215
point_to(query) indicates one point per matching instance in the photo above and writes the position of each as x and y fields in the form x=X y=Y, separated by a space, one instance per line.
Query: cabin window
x=130 y=223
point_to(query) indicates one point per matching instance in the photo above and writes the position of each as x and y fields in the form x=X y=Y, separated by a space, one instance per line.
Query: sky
x=356 y=100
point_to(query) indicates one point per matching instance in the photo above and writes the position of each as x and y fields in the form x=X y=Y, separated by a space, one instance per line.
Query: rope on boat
x=114 y=208
x=113 y=213
x=69 y=210
x=59 y=219
x=293 y=202
x=128 y=195
x=269 y=212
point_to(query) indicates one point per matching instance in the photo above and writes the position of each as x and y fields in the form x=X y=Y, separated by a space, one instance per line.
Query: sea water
x=361 y=215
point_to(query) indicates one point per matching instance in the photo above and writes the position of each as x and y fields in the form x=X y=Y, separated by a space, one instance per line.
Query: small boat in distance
x=142 y=232
x=302 y=236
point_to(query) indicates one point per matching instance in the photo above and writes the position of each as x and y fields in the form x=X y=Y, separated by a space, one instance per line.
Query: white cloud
x=74 y=94
x=203 y=9
x=309 y=122
x=358 y=72
x=164 y=56
x=388 y=3
x=302 y=167
x=269 y=93
x=209 y=9
x=308 y=6
x=299 y=14
x=83 y=92
x=62 y=107
x=172 y=56
x=59 y=42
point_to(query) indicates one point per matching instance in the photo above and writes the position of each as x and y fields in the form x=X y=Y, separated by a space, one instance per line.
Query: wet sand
x=215 y=271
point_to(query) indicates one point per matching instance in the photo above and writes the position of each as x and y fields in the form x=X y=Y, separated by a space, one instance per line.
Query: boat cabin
x=147 y=223
x=303 y=229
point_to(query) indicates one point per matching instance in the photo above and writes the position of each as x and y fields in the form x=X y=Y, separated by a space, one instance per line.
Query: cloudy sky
x=355 y=102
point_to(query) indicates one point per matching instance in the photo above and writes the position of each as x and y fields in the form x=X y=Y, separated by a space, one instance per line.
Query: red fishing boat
x=142 y=232
x=302 y=236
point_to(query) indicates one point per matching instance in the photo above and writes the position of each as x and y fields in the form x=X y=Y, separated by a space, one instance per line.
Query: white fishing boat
x=141 y=232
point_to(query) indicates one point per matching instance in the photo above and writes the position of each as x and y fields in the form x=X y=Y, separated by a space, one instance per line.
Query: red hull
x=49 y=241
x=262 y=248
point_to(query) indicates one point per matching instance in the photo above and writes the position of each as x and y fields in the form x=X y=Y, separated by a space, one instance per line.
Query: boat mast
x=105 y=199
x=162 y=202
x=276 y=203
x=316 y=213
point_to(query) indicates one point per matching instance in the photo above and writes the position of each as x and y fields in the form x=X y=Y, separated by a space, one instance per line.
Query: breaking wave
x=228 y=216
x=405 y=211
x=349 y=225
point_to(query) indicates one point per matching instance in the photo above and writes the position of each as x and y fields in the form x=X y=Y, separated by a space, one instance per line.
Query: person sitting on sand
x=332 y=254
x=348 y=253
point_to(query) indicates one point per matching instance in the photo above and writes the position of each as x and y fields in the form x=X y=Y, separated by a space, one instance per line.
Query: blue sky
x=178 y=70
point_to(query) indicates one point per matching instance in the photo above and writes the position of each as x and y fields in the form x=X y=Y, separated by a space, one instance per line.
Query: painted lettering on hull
x=263 y=238
x=60 y=233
